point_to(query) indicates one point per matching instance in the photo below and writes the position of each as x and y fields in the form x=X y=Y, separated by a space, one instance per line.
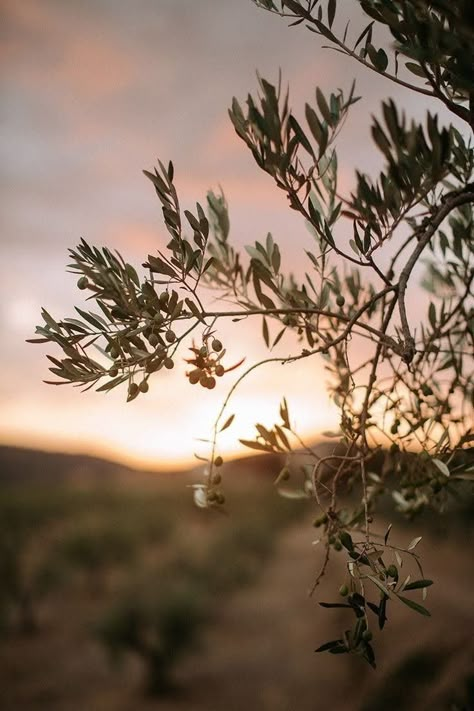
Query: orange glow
x=96 y=92
x=161 y=430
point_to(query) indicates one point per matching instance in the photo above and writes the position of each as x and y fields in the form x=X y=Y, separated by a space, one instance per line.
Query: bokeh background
x=95 y=91
x=101 y=563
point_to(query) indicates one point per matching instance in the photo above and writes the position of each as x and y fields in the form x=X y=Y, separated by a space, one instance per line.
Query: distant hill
x=30 y=466
x=22 y=466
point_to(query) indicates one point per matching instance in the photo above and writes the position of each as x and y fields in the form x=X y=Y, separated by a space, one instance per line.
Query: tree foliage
x=402 y=384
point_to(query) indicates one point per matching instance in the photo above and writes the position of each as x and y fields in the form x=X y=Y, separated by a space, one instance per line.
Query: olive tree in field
x=403 y=385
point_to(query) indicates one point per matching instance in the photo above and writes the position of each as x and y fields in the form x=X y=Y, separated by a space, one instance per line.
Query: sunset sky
x=93 y=92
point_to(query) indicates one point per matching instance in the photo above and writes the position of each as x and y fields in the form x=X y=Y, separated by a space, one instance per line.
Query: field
x=116 y=593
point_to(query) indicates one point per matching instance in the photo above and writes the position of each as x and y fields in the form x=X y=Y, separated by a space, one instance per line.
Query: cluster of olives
x=160 y=336
x=159 y=359
x=215 y=496
x=134 y=388
x=207 y=365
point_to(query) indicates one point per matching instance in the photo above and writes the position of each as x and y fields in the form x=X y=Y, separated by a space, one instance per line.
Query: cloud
x=94 y=91
x=56 y=48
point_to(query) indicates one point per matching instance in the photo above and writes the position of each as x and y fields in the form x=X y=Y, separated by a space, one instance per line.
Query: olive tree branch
x=322 y=30
x=352 y=321
x=461 y=198
x=461 y=111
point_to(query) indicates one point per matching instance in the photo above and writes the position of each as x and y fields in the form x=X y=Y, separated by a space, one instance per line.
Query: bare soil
x=258 y=655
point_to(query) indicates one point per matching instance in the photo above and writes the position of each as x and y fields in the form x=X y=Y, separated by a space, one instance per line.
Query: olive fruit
x=367 y=635
x=118 y=312
x=343 y=590
x=219 y=370
x=216 y=345
x=82 y=283
x=218 y=461
x=210 y=383
x=113 y=372
x=168 y=363
x=153 y=340
x=320 y=521
x=340 y=300
x=194 y=376
x=114 y=352
x=143 y=387
x=132 y=389
x=392 y=571
x=153 y=365
x=170 y=336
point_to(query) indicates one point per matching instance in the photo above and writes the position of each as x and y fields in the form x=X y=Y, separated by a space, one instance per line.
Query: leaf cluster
x=401 y=383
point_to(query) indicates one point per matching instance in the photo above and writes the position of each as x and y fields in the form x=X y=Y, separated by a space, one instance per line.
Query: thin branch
x=461 y=198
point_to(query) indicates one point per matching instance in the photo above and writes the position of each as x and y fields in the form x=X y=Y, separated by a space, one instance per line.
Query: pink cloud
x=53 y=49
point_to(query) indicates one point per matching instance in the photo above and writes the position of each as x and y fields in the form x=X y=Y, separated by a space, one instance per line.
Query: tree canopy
x=404 y=386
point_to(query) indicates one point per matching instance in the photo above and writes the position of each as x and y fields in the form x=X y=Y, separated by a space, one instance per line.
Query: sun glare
x=169 y=426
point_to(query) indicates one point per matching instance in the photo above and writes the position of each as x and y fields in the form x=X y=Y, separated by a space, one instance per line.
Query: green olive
x=153 y=365
x=82 y=283
x=343 y=591
x=153 y=340
x=133 y=389
x=340 y=300
x=170 y=336
x=117 y=312
x=216 y=345
x=168 y=363
x=320 y=521
x=144 y=387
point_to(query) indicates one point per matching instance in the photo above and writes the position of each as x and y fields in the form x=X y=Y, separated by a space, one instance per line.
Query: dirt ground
x=258 y=655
